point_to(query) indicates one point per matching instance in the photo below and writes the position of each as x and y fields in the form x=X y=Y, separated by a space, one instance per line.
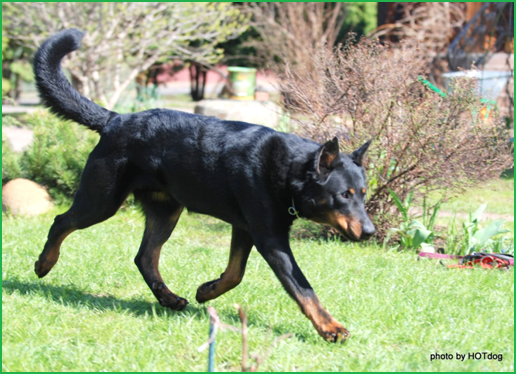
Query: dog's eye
x=345 y=195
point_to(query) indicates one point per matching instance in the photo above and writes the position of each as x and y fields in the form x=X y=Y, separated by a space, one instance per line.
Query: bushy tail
x=55 y=90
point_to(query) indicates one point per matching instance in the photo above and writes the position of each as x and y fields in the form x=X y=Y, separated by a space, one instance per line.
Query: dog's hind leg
x=241 y=245
x=92 y=204
x=161 y=216
x=58 y=232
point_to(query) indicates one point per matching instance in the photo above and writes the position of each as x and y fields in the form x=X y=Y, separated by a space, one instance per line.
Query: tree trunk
x=197 y=81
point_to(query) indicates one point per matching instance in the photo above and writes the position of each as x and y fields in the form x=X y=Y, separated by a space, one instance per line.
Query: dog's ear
x=325 y=156
x=358 y=155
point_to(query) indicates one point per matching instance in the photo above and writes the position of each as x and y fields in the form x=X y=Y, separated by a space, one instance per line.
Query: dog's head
x=336 y=191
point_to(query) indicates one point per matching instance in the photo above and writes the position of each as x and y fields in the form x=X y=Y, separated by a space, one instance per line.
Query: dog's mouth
x=348 y=227
x=346 y=235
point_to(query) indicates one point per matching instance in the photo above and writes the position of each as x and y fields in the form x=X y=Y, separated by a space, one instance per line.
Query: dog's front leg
x=278 y=255
x=241 y=245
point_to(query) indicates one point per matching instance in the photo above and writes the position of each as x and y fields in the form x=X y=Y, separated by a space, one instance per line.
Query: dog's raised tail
x=55 y=90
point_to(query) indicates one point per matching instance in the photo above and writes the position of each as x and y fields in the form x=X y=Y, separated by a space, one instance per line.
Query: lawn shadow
x=72 y=296
x=273 y=331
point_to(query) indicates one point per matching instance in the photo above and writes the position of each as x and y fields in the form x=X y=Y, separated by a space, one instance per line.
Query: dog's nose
x=368 y=230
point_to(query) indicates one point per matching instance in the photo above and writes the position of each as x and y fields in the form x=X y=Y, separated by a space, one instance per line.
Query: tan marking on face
x=352 y=191
x=351 y=226
x=363 y=190
x=356 y=228
x=342 y=221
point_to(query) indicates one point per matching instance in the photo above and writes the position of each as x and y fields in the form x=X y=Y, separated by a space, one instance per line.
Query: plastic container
x=491 y=82
x=243 y=81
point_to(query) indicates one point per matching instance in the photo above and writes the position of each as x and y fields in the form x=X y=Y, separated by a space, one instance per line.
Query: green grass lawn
x=93 y=311
x=498 y=194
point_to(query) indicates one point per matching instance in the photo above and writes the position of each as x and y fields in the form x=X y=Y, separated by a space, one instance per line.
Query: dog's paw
x=168 y=299
x=205 y=290
x=177 y=303
x=41 y=269
x=334 y=332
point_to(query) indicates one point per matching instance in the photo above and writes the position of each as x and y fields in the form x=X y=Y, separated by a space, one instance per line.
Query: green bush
x=57 y=154
x=473 y=238
x=413 y=233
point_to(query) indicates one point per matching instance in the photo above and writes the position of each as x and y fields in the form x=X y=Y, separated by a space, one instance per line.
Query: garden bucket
x=491 y=82
x=243 y=81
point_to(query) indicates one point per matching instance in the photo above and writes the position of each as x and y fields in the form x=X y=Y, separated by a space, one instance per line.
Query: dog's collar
x=292 y=210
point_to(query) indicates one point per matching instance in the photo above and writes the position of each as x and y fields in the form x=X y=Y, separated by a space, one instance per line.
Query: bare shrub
x=432 y=24
x=293 y=31
x=422 y=141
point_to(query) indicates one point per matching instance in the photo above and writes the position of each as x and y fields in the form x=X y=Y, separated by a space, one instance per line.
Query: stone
x=22 y=197
x=264 y=113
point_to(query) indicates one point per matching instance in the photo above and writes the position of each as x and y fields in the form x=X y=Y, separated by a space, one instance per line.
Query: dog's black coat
x=244 y=174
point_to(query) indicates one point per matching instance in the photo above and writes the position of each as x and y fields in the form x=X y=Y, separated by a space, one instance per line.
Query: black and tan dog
x=244 y=174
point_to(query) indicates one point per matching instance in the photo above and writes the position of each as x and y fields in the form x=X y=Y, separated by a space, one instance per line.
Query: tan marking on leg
x=228 y=280
x=155 y=261
x=147 y=260
x=327 y=326
x=165 y=297
x=160 y=196
x=156 y=252
x=233 y=274
x=48 y=258
x=231 y=277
